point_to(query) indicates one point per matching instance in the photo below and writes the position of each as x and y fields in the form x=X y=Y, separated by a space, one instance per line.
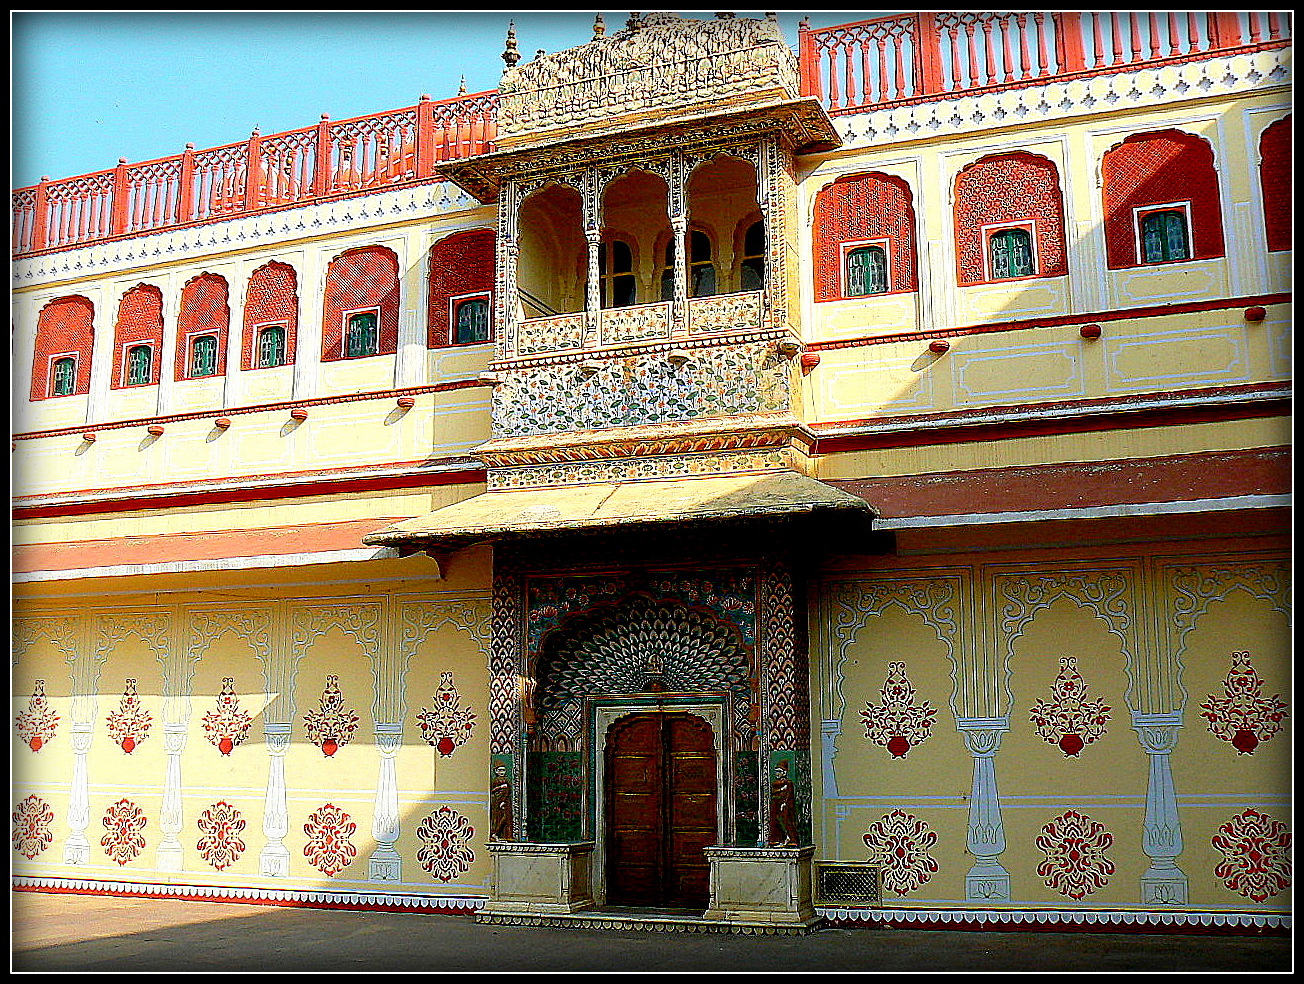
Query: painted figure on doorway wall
x=500 y=806
x=783 y=809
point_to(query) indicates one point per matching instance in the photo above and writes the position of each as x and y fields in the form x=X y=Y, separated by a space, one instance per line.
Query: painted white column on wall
x=385 y=863
x=1164 y=883
x=274 y=859
x=987 y=880
x=170 y=855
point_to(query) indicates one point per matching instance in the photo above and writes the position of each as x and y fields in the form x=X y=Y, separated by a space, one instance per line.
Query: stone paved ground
x=91 y=933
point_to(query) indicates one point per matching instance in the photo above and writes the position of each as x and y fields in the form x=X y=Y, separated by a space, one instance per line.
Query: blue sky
x=91 y=87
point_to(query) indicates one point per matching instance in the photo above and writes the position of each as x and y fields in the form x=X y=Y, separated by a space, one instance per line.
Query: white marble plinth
x=531 y=879
x=761 y=885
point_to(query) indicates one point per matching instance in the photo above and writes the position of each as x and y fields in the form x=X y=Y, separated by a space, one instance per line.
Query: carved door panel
x=661 y=811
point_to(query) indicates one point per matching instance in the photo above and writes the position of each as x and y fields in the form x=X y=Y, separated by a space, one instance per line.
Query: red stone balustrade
x=300 y=167
x=924 y=56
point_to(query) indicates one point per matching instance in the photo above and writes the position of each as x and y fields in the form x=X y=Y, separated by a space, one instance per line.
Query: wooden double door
x=661 y=791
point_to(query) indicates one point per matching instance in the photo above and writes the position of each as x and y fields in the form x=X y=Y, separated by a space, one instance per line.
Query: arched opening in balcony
x=552 y=264
x=634 y=218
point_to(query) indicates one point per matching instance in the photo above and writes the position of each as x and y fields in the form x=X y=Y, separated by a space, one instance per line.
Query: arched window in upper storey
x=461 y=281
x=1275 y=181
x=138 y=337
x=1157 y=188
x=617 y=283
x=1009 y=219
x=864 y=237
x=202 y=324
x=271 y=317
x=360 y=311
x=64 y=339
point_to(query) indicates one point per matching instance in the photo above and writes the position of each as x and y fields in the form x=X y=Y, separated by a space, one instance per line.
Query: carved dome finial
x=635 y=21
x=461 y=88
x=599 y=27
x=511 y=56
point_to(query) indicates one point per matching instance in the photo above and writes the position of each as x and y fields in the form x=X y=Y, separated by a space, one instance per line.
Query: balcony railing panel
x=278 y=170
x=854 y=67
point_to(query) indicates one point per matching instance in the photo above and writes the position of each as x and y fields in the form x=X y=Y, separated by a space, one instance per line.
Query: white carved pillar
x=830 y=732
x=77 y=849
x=1164 y=883
x=274 y=860
x=592 y=292
x=386 y=864
x=171 y=817
x=987 y=880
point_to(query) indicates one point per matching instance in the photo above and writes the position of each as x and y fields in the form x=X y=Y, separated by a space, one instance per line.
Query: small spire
x=635 y=21
x=461 y=88
x=511 y=56
x=599 y=27
x=724 y=15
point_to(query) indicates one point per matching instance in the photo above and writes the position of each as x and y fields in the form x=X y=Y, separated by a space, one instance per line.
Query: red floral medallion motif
x=227 y=725
x=1242 y=715
x=1069 y=719
x=1256 y=855
x=898 y=842
x=37 y=724
x=32 y=833
x=898 y=724
x=445 y=850
x=221 y=825
x=330 y=846
x=331 y=726
x=1075 y=863
x=123 y=823
x=129 y=724
x=448 y=725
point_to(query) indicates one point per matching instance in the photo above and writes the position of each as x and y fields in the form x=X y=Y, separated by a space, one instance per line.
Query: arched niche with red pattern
x=365 y=277
x=205 y=310
x=1004 y=190
x=271 y=298
x=1160 y=168
x=857 y=208
x=1275 y=181
x=65 y=327
x=462 y=263
x=139 y=321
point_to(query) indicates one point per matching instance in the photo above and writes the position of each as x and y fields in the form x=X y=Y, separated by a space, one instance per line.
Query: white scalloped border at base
x=376 y=901
x=1068 y=920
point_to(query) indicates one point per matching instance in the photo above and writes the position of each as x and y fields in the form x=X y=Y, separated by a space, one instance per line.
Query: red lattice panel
x=271 y=297
x=1008 y=188
x=1155 y=169
x=204 y=307
x=856 y=208
x=140 y=319
x=64 y=326
x=1274 y=178
x=461 y=264
x=360 y=278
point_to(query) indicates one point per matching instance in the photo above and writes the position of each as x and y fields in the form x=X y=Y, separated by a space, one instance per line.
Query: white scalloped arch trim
x=1058 y=918
x=258 y=896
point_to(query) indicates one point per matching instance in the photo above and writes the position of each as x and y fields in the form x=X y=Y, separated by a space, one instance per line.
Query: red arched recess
x=1156 y=169
x=204 y=308
x=1274 y=178
x=366 y=277
x=271 y=298
x=1009 y=188
x=858 y=207
x=140 y=319
x=460 y=264
x=65 y=326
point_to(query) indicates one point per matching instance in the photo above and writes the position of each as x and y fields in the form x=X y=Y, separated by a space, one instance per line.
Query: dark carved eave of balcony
x=802 y=125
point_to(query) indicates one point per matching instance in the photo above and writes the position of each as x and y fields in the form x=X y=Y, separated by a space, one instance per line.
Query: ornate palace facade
x=702 y=483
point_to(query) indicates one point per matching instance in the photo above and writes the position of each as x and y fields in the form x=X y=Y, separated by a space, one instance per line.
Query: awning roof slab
x=512 y=513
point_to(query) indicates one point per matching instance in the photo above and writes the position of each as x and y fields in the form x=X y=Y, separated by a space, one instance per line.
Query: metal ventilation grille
x=847 y=883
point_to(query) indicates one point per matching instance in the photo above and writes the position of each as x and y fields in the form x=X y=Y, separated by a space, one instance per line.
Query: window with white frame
x=361 y=333
x=469 y=317
x=1163 y=232
x=866 y=268
x=203 y=356
x=271 y=346
x=1010 y=250
x=139 y=368
x=63 y=375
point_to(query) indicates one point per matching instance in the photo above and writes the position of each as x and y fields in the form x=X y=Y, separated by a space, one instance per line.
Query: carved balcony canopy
x=664 y=80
